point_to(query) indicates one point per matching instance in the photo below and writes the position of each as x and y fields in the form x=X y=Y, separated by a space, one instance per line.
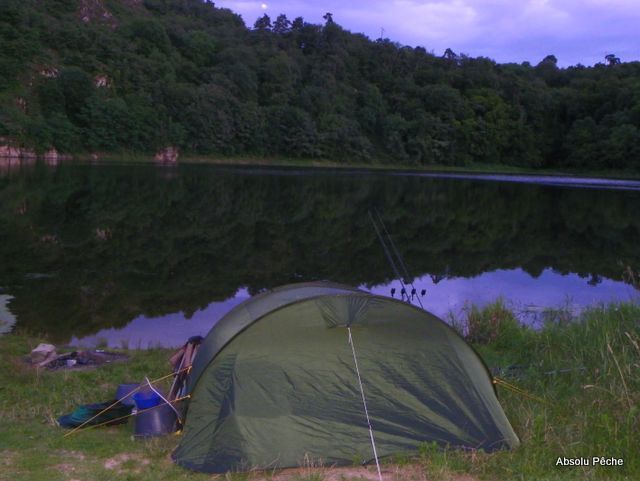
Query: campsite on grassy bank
x=585 y=373
x=319 y=241
x=524 y=282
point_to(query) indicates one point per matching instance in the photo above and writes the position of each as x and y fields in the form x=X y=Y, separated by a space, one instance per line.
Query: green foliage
x=77 y=88
x=576 y=395
x=212 y=86
x=493 y=324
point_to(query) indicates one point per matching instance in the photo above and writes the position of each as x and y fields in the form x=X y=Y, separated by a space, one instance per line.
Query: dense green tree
x=263 y=23
x=282 y=25
x=77 y=88
x=138 y=75
x=611 y=59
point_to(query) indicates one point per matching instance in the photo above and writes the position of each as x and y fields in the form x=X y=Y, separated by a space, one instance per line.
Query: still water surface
x=141 y=255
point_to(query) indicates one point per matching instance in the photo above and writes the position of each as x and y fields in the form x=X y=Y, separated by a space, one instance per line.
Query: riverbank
x=374 y=165
x=581 y=383
x=477 y=168
x=393 y=167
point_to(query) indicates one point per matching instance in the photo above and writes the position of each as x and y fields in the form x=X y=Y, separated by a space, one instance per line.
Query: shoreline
x=328 y=165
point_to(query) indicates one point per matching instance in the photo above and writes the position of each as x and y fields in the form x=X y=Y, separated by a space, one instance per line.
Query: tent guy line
x=364 y=403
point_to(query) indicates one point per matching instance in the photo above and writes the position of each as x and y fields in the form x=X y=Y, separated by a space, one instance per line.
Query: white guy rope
x=364 y=403
x=164 y=399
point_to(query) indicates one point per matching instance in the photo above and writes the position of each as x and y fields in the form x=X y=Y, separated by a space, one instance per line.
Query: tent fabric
x=283 y=391
x=252 y=309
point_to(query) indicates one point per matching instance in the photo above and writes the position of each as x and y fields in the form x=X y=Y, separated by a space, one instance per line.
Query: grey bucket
x=157 y=421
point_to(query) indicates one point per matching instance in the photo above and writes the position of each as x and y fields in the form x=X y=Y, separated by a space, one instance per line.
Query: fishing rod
x=397 y=253
x=393 y=245
x=386 y=250
x=390 y=257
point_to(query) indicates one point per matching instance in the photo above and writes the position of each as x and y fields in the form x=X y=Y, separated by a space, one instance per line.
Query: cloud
x=422 y=21
x=506 y=30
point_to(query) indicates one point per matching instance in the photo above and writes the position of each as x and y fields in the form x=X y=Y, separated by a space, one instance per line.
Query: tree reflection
x=117 y=242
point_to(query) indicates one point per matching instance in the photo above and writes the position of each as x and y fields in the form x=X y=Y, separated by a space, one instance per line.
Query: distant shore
x=382 y=165
x=576 y=178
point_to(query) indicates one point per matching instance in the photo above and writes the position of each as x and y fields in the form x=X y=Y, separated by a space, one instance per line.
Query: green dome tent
x=275 y=384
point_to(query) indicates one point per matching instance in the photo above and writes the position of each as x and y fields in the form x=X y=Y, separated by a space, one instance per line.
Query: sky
x=575 y=31
x=528 y=296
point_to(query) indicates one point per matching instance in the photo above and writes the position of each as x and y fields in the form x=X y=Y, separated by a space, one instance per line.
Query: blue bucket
x=124 y=390
x=146 y=400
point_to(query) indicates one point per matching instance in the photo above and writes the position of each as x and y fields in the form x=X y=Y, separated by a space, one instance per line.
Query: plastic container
x=146 y=400
x=123 y=390
x=155 y=422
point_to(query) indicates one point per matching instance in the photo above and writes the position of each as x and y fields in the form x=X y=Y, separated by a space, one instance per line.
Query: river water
x=142 y=255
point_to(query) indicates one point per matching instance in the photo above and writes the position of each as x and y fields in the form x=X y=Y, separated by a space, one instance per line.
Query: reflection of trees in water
x=125 y=241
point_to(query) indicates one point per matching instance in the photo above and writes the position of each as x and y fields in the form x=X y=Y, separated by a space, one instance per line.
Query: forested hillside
x=135 y=76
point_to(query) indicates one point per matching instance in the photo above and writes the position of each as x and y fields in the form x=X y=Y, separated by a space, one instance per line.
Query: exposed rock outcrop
x=168 y=155
x=21 y=102
x=8 y=150
x=102 y=81
x=95 y=11
x=53 y=157
x=49 y=72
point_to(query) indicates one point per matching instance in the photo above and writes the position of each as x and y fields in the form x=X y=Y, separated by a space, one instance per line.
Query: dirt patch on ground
x=65 y=468
x=410 y=472
x=126 y=463
x=72 y=466
x=6 y=457
x=68 y=454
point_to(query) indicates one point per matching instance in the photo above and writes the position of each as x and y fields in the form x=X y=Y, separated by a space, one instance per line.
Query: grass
x=586 y=371
x=32 y=446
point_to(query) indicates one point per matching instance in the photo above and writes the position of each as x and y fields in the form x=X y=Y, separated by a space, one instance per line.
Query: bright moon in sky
x=264 y=6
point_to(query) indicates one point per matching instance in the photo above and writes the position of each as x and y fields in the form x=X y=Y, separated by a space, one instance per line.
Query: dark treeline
x=79 y=259
x=135 y=76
